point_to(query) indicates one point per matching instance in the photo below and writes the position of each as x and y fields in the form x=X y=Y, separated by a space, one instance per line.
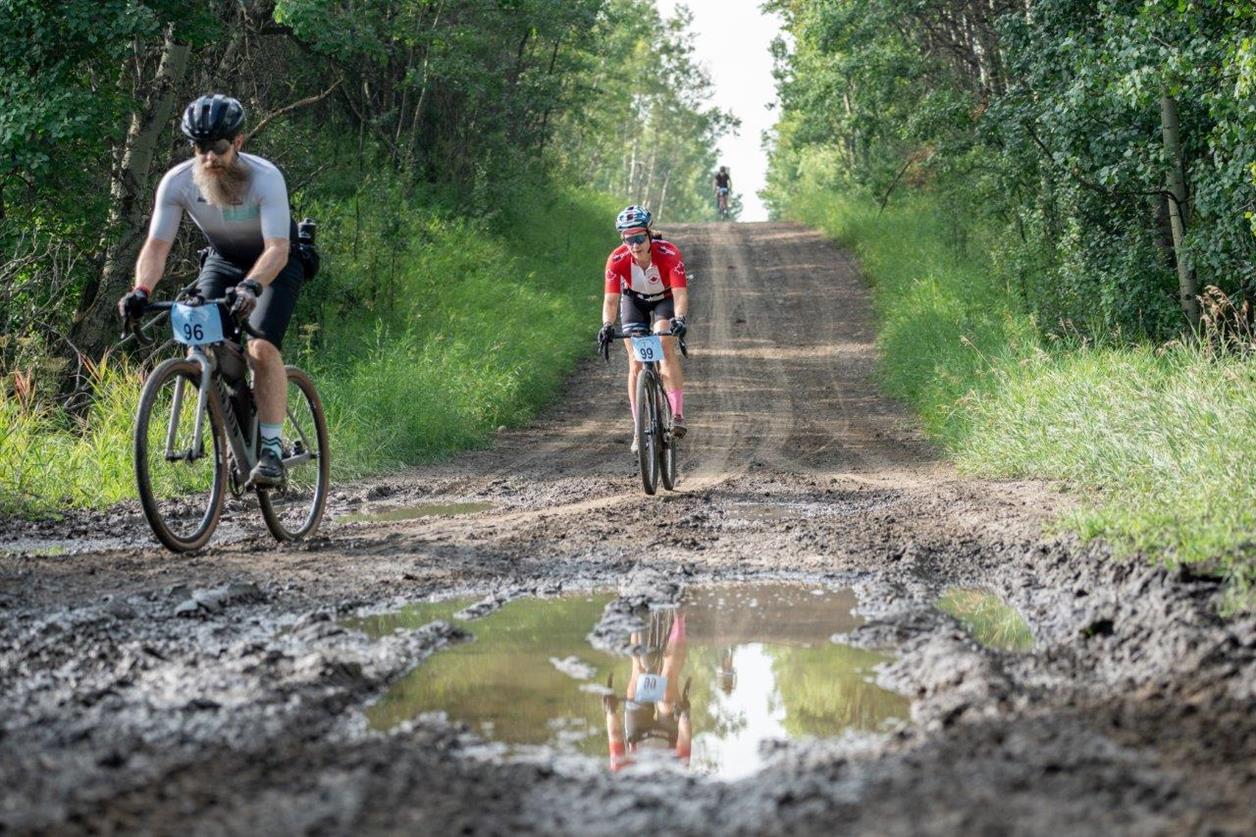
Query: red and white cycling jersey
x=666 y=271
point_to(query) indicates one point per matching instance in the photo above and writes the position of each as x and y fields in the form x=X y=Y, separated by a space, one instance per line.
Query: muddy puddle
x=393 y=515
x=711 y=680
x=990 y=620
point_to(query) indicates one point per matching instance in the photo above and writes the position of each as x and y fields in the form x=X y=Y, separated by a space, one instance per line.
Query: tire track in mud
x=744 y=393
x=780 y=380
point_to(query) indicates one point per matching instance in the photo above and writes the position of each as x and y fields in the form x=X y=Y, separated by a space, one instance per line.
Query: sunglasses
x=636 y=239
x=219 y=147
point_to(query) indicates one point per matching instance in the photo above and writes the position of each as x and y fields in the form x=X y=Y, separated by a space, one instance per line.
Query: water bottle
x=306 y=230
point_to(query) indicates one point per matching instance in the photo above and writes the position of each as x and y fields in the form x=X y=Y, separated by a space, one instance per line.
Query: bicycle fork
x=196 y=449
x=196 y=446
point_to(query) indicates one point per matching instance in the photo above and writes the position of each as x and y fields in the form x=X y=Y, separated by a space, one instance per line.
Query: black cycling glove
x=246 y=294
x=678 y=326
x=131 y=306
x=604 y=337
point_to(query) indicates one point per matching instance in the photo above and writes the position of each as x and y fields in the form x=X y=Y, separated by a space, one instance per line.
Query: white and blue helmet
x=634 y=217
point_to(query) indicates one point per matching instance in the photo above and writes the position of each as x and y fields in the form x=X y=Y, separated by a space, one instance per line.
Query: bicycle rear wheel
x=181 y=482
x=667 y=442
x=294 y=510
x=647 y=437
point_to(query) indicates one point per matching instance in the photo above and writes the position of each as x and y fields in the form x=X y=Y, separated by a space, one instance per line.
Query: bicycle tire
x=647 y=451
x=278 y=515
x=667 y=441
x=153 y=499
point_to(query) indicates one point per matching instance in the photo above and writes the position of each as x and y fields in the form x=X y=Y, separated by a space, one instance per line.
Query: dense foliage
x=460 y=100
x=1078 y=129
x=464 y=159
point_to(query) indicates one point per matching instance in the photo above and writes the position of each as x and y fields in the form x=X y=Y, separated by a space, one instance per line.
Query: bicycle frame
x=242 y=455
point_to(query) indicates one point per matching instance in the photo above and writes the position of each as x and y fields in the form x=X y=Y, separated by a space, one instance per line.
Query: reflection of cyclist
x=646 y=285
x=656 y=708
x=240 y=202
x=723 y=183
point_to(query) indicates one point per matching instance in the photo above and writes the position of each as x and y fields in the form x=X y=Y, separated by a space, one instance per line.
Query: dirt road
x=217 y=692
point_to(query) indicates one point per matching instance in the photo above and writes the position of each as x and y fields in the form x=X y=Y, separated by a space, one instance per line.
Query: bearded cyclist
x=647 y=287
x=240 y=202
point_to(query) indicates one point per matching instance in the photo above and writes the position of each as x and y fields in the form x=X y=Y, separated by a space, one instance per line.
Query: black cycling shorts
x=635 y=311
x=275 y=305
x=643 y=721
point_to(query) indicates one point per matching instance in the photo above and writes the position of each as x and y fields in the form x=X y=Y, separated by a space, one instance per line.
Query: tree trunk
x=95 y=324
x=1188 y=289
x=667 y=178
x=417 y=122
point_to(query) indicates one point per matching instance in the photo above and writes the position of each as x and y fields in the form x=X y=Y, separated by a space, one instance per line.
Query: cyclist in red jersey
x=646 y=286
x=655 y=709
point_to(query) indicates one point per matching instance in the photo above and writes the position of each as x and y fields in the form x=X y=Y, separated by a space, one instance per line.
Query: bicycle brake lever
x=134 y=328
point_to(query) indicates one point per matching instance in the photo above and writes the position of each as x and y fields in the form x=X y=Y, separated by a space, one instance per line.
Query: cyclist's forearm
x=272 y=260
x=680 y=301
x=610 y=308
x=151 y=263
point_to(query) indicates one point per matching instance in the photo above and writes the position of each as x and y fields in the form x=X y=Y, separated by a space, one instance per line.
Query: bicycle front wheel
x=647 y=435
x=294 y=510
x=180 y=456
x=667 y=442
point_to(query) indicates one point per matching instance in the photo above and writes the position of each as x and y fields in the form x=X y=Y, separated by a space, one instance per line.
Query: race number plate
x=196 y=325
x=647 y=349
x=650 y=688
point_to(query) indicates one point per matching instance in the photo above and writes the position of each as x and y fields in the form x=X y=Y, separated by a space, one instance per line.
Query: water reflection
x=408 y=618
x=708 y=682
x=991 y=622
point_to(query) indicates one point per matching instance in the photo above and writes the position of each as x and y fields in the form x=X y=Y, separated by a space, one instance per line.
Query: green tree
x=1106 y=138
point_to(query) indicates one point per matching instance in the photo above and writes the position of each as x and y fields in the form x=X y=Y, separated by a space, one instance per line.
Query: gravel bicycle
x=656 y=443
x=196 y=432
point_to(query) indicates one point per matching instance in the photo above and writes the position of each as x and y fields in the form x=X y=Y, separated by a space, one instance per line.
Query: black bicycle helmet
x=213 y=117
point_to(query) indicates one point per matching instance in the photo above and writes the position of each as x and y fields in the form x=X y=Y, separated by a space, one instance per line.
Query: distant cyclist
x=723 y=183
x=646 y=286
x=240 y=202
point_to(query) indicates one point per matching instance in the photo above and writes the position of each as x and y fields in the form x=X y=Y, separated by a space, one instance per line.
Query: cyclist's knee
x=264 y=351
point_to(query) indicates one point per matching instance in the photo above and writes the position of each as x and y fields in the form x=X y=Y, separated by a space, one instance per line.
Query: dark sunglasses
x=636 y=239
x=219 y=147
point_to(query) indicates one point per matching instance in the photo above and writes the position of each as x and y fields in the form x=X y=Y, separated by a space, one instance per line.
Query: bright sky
x=732 y=40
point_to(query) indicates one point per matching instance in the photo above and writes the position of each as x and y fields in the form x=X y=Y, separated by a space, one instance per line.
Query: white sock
x=271 y=437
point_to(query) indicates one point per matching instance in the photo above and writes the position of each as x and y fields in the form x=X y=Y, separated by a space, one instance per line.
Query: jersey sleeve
x=273 y=203
x=676 y=276
x=167 y=211
x=613 y=285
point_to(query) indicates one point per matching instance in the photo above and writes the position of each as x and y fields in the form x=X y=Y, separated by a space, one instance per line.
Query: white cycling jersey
x=236 y=232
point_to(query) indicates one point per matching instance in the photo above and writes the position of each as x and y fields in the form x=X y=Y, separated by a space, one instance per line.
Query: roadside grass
x=49 y=459
x=425 y=331
x=1155 y=441
x=449 y=329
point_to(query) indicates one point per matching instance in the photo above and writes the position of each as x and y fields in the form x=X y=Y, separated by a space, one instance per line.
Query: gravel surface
x=145 y=692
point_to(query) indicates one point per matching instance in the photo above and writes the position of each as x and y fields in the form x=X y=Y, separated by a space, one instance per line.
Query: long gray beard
x=225 y=189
